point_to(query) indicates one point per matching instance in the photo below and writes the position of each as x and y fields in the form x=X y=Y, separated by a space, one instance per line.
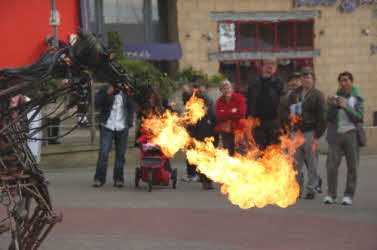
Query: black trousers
x=266 y=135
x=53 y=128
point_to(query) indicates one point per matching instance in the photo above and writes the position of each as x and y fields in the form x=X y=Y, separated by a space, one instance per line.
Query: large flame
x=249 y=180
x=169 y=132
x=169 y=129
x=194 y=109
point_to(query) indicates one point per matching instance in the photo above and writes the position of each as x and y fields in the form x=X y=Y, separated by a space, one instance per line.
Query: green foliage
x=190 y=75
x=216 y=79
x=52 y=84
x=116 y=44
x=49 y=86
x=146 y=72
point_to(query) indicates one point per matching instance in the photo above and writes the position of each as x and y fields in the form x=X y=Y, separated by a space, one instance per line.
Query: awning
x=153 y=51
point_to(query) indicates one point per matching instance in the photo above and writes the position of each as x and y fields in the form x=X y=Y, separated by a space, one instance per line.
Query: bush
x=146 y=72
x=116 y=44
x=191 y=75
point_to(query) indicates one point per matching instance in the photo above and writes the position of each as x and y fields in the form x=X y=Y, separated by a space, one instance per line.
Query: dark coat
x=273 y=88
x=105 y=102
x=283 y=111
x=313 y=111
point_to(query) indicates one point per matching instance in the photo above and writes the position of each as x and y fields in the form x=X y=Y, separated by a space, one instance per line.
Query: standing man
x=345 y=136
x=308 y=104
x=262 y=103
x=116 y=118
x=294 y=82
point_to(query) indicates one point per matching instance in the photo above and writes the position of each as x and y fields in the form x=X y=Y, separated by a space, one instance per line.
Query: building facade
x=233 y=36
x=24 y=26
x=148 y=28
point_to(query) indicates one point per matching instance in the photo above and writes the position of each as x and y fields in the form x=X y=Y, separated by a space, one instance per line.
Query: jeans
x=106 y=139
x=308 y=155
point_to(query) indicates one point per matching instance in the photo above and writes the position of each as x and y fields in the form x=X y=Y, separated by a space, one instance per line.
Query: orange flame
x=314 y=145
x=195 y=110
x=168 y=132
x=249 y=180
x=295 y=119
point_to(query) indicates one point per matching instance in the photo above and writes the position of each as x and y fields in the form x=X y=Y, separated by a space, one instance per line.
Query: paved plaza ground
x=191 y=218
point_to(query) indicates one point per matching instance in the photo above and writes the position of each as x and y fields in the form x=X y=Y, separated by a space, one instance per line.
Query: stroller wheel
x=137 y=176
x=174 y=177
x=150 y=179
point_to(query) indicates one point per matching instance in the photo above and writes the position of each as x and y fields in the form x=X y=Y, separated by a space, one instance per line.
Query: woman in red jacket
x=230 y=114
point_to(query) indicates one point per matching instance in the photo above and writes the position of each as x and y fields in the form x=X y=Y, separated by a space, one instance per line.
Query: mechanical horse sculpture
x=24 y=194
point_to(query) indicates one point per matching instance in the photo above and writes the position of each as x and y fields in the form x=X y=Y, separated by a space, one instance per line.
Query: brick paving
x=190 y=218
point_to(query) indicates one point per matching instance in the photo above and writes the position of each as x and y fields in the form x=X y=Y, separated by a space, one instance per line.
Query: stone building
x=232 y=36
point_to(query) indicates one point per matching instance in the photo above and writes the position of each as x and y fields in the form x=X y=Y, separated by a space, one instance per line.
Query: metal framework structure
x=24 y=192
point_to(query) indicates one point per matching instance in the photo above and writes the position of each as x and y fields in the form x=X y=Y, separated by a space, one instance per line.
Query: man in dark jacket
x=308 y=104
x=263 y=99
x=294 y=82
x=116 y=118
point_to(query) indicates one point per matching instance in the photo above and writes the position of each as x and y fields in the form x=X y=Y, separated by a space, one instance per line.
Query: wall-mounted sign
x=227 y=36
x=347 y=5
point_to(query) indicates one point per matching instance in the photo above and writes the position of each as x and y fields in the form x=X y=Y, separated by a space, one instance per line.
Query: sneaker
x=186 y=178
x=318 y=189
x=119 y=184
x=97 y=184
x=347 y=200
x=196 y=178
x=310 y=196
x=329 y=200
x=207 y=185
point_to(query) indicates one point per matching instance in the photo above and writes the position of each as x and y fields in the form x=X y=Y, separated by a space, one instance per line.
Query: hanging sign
x=346 y=5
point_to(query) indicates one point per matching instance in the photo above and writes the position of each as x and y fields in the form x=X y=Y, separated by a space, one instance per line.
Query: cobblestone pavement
x=191 y=218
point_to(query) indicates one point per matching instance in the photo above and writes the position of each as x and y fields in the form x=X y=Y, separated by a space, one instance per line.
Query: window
x=266 y=36
x=304 y=35
x=242 y=73
x=258 y=36
x=286 y=35
x=248 y=71
x=248 y=36
x=229 y=69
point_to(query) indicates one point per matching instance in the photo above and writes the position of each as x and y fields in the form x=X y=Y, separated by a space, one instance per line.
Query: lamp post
x=54 y=22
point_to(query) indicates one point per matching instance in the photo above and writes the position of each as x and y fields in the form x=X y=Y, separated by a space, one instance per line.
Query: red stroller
x=154 y=167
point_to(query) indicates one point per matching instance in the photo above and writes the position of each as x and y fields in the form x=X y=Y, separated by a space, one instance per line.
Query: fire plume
x=249 y=180
x=169 y=132
x=194 y=108
x=255 y=179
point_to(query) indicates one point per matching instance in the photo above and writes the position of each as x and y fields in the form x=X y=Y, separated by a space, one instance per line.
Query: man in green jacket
x=345 y=113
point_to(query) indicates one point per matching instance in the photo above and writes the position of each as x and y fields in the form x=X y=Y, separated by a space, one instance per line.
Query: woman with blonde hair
x=230 y=113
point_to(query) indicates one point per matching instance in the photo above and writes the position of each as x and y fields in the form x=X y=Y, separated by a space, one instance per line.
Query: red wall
x=24 y=25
